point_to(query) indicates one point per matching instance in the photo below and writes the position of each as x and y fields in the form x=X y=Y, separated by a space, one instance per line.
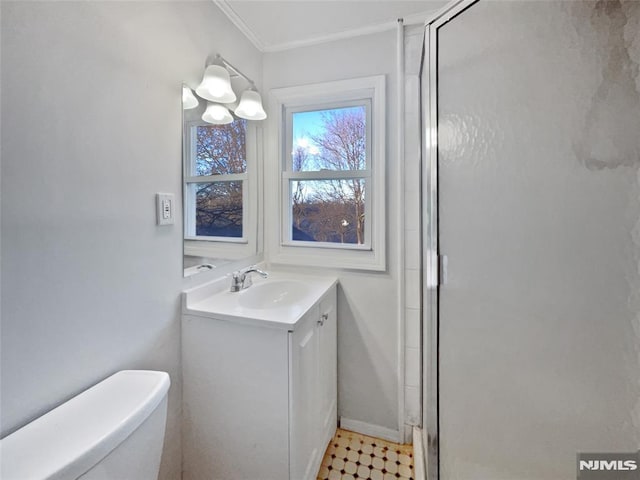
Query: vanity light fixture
x=216 y=88
x=250 y=106
x=217 y=114
x=189 y=100
x=216 y=85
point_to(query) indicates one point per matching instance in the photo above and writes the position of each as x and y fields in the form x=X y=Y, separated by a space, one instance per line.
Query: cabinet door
x=327 y=365
x=305 y=426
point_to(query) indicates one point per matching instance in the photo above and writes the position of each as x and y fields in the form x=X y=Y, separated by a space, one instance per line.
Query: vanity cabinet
x=259 y=401
x=313 y=415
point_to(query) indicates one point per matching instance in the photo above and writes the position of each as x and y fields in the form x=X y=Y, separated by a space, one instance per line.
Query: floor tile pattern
x=351 y=456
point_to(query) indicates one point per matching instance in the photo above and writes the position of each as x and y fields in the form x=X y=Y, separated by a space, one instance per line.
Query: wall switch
x=165 y=206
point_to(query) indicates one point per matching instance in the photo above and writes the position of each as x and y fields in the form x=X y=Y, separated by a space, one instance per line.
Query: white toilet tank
x=112 y=431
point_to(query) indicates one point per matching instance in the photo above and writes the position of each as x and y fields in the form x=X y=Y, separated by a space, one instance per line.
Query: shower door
x=533 y=216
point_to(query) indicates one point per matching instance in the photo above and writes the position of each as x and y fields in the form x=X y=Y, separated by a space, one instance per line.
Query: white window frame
x=366 y=91
x=288 y=175
x=215 y=246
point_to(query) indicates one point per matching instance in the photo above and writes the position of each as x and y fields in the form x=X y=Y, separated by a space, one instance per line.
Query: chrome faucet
x=242 y=278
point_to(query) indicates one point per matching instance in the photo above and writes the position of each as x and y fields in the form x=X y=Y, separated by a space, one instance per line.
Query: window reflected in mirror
x=215 y=209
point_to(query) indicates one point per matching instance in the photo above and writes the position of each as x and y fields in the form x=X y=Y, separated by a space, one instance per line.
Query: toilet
x=112 y=431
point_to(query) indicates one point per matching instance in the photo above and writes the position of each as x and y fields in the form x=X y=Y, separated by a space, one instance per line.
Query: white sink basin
x=275 y=294
x=277 y=301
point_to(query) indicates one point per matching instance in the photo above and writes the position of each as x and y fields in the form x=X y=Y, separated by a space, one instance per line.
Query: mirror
x=220 y=185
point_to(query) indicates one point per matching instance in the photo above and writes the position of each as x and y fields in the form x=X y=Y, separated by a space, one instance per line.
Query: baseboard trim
x=371 y=430
x=418 y=455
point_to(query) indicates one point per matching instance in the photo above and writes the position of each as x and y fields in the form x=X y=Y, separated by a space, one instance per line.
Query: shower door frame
x=431 y=256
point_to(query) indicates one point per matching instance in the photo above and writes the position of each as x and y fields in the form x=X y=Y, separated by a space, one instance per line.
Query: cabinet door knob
x=323 y=317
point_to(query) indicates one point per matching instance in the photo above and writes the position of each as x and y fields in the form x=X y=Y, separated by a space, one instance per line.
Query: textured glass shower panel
x=539 y=144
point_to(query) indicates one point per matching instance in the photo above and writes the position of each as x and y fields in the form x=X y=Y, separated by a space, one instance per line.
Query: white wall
x=368 y=304
x=91 y=121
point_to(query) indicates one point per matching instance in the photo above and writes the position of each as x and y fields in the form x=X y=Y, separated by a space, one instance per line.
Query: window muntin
x=328 y=163
x=215 y=181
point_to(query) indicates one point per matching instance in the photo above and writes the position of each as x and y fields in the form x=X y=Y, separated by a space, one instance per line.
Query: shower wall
x=539 y=217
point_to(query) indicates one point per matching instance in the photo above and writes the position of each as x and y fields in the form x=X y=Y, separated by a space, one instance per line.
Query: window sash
x=191 y=166
x=287 y=213
x=289 y=111
x=190 y=213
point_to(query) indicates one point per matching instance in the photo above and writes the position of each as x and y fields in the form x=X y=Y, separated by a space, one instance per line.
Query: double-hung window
x=332 y=165
x=217 y=188
x=327 y=176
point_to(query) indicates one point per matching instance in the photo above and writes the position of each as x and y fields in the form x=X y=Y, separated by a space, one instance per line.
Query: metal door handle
x=443 y=272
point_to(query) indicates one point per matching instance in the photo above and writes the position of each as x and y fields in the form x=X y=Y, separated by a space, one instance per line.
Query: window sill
x=348 y=259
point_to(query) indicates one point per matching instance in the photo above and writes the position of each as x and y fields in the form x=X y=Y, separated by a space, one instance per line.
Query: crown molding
x=332 y=37
x=227 y=9
x=413 y=19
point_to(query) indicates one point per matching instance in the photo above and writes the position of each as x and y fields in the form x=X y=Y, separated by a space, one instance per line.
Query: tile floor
x=351 y=456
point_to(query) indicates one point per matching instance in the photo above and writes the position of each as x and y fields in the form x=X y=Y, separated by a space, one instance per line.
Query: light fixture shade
x=217 y=114
x=189 y=100
x=216 y=85
x=250 y=106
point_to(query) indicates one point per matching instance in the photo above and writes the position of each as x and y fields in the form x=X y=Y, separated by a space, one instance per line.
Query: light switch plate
x=165 y=208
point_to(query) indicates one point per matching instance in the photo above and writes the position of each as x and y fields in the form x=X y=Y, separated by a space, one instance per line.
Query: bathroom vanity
x=259 y=378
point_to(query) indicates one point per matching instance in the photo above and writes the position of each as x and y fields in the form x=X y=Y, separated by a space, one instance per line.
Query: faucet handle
x=241 y=279
x=236 y=281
